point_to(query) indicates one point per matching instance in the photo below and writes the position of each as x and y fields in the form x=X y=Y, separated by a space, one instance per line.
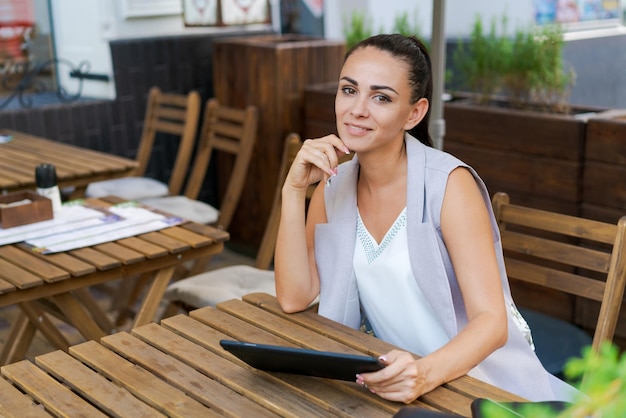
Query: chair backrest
x=230 y=130
x=581 y=257
x=265 y=254
x=175 y=115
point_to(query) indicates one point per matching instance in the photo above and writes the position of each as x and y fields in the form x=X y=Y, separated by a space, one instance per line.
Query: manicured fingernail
x=346 y=150
x=382 y=358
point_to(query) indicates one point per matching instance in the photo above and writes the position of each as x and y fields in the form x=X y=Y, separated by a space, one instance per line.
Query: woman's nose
x=359 y=107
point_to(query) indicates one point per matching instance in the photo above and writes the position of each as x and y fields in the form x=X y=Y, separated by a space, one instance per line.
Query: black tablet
x=273 y=358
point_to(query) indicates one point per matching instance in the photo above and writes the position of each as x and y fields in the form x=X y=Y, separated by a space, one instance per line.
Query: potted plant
x=603 y=389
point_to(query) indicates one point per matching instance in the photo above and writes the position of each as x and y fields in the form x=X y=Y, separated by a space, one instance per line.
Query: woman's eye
x=348 y=90
x=382 y=98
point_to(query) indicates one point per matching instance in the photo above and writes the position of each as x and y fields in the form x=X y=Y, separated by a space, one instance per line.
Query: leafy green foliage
x=359 y=28
x=603 y=388
x=603 y=377
x=527 y=68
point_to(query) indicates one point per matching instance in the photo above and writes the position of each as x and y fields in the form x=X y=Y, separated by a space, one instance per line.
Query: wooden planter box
x=604 y=189
x=537 y=158
x=604 y=176
x=270 y=72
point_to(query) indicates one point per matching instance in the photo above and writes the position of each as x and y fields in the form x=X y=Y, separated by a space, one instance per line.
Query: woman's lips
x=356 y=129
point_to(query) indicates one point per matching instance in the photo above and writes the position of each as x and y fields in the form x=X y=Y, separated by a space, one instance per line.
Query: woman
x=404 y=236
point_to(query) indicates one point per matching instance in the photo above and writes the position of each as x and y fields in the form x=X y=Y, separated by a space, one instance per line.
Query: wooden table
x=178 y=368
x=58 y=283
x=76 y=167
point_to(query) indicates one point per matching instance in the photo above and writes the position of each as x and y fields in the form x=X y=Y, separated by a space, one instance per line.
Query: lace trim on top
x=372 y=250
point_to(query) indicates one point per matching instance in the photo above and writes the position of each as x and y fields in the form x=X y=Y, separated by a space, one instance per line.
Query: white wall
x=460 y=14
x=83 y=29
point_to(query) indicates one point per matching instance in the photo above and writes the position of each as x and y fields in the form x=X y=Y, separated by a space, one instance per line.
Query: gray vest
x=514 y=367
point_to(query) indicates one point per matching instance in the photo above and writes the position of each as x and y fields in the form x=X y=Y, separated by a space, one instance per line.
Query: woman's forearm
x=294 y=288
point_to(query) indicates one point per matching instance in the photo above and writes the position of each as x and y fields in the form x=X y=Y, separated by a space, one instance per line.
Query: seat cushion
x=555 y=340
x=129 y=188
x=182 y=206
x=213 y=287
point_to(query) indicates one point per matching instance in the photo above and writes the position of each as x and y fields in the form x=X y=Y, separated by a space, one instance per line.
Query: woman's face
x=372 y=105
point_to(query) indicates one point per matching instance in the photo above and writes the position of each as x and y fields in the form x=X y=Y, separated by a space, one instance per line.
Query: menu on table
x=78 y=225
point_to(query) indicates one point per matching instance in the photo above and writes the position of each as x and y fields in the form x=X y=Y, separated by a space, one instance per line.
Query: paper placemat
x=77 y=225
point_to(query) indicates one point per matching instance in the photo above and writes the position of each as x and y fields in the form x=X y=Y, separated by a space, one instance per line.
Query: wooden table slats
x=146 y=248
x=332 y=392
x=55 y=284
x=5 y=286
x=33 y=149
x=178 y=368
x=30 y=262
x=75 y=266
x=75 y=166
x=98 y=259
x=312 y=340
x=13 y=404
x=53 y=395
x=108 y=396
x=140 y=382
x=193 y=239
x=363 y=343
x=166 y=241
x=120 y=252
x=216 y=234
x=202 y=388
x=17 y=276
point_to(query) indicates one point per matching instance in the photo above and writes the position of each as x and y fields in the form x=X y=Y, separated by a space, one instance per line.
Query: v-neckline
x=372 y=248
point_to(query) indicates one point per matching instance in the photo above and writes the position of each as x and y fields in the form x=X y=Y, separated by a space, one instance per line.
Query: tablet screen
x=303 y=361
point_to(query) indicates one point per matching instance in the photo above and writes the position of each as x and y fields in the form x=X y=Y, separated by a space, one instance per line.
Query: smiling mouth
x=356 y=128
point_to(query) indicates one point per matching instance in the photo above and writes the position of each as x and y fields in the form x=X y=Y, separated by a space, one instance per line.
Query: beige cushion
x=183 y=207
x=213 y=287
x=129 y=188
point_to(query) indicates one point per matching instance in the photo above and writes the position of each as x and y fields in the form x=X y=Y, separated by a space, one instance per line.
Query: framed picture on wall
x=243 y=12
x=200 y=12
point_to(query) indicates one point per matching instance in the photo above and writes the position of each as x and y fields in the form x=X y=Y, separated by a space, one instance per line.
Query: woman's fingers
x=317 y=160
x=399 y=381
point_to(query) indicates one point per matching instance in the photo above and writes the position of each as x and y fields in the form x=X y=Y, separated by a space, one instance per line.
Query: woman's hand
x=316 y=161
x=403 y=379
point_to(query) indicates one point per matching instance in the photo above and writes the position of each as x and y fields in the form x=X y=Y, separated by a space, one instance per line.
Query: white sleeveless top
x=395 y=306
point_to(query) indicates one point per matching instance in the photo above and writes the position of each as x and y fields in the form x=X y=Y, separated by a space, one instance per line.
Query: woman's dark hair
x=412 y=51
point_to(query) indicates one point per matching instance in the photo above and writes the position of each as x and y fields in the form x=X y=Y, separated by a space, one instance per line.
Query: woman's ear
x=418 y=111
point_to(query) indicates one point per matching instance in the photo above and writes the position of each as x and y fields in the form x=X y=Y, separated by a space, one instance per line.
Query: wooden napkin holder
x=37 y=209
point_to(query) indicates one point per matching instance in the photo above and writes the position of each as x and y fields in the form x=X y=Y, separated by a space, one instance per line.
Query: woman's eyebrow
x=373 y=87
x=376 y=87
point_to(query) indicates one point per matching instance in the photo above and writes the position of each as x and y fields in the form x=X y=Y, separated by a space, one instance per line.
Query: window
x=25 y=52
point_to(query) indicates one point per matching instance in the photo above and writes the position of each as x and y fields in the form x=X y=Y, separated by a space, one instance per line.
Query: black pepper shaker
x=46 y=180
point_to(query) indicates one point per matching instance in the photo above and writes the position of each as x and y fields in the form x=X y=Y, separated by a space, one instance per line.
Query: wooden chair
x=170 y=116
x=580 y=257
x=212 y=287
x=224 y=129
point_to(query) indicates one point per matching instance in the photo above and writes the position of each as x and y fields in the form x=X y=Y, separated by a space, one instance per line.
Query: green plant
x=603 y=385
x=357 y=29
x=482 y=61
x=526 y=68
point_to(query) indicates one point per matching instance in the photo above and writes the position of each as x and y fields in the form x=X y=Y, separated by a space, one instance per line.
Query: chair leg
x=42 y=322
x=172 y=309
x=199 y=266
x=127 y=312
x=18 y=340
